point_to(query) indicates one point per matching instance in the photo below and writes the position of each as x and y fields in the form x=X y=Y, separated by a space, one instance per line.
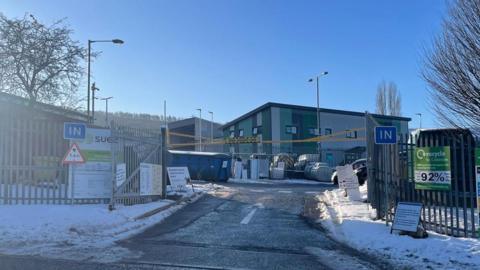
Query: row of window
x=255 y=131
x=311 y=131
x=352 y=134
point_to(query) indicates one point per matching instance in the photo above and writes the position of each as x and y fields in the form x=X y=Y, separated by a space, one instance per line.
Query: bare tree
x=452 y=67
x=381 y=102
x=388 y=100
x=40 y=62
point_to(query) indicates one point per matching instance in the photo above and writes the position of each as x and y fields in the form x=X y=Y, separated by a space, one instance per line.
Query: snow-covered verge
x=83 y=232
x=273 y=182
x=351 y=223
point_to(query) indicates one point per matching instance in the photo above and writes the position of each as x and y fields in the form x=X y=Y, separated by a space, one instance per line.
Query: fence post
x=72 y=166
x=164 y=162
x=386 y=160
x=111 y=206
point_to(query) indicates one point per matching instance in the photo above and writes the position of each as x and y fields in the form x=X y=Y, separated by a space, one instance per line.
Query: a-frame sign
x=73 y=155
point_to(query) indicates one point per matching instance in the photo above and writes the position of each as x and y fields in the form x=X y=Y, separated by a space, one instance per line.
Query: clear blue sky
x=231 y=56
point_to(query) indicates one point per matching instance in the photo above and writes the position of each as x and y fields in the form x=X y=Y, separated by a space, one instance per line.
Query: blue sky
x=231 y=56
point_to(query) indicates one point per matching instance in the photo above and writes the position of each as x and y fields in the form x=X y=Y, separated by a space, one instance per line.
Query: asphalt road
x=250 y=226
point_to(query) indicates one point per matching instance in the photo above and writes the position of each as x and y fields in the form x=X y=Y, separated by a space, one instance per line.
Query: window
x=351 y=134
x=291 y=129
x=232 y=134
x=240 y=133
x=328 y=131
x=329 y=159
x=313 y=131
x=257 y=130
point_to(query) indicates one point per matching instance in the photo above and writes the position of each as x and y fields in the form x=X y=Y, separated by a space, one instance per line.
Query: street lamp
x=318 y=107
x=420 y=116
x=200 y=128
x=114 y=41
x=211 y=127
x=106 y=109
x=94 y=88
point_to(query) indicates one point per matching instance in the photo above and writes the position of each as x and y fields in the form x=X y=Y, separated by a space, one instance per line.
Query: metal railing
x=31 y=150
x=392 y=179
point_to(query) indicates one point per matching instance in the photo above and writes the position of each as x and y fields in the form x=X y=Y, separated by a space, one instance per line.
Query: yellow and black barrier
x=254 y=139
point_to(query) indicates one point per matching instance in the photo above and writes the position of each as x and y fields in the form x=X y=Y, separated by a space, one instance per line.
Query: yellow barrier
x=325 y=138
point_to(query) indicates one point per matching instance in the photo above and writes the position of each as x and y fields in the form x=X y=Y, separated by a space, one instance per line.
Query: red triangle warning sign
x=73 y=155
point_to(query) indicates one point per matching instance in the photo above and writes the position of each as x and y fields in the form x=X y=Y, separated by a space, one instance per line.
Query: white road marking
x=248 y=217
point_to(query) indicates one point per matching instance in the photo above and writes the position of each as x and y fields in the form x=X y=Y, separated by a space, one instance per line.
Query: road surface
x=244 y=226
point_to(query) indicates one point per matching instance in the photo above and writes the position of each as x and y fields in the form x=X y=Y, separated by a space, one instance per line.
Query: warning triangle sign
x=73 y=155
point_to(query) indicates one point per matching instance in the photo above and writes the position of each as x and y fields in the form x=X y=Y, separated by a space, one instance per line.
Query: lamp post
x=211 y=127
x=420 y=118
x=94 y=88
x=318 y=107
x=200 y=128
x=106 y=109
x=115 y=41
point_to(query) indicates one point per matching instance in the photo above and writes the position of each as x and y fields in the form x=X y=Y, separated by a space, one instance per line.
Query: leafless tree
x=381 y=103
x=40 y=62
x=388 y=100
x=452 y=67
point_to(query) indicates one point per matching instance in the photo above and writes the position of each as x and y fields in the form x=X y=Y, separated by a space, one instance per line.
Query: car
x=319 y=171
x=359 y=167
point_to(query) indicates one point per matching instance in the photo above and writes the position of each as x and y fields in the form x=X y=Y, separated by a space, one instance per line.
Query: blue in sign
x=385 y=135
x=74 y=131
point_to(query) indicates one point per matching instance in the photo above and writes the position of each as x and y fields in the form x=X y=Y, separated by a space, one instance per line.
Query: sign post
x=386 y=135
x=432 y=168
x=73 y=157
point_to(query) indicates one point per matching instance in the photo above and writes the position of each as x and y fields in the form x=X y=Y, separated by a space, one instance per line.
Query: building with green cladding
x=283 y=128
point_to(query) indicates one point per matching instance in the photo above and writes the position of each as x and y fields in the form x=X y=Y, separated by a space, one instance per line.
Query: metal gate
x=133 y=147
x=391 y=180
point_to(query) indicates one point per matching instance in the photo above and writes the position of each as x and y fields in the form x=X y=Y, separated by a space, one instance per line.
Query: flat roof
x=190 y=121
x=307 y=108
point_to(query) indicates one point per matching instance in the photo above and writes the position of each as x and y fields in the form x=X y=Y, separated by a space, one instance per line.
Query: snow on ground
x=84 y=232
x=272 y=182
x=351 y=223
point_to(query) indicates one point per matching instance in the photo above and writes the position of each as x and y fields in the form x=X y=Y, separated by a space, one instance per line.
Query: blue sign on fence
x=385 y=135
x=74 y=131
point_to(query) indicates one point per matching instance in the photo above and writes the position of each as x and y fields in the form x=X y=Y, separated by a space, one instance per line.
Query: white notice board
x=407 y=216
x=346 y=177
x=150 y=179
x=93 y=179
x=121 y=174
x=178 y=177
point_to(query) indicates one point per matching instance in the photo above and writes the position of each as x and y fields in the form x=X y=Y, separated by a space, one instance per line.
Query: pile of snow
x=83 y=232
x=273 y=182
x=352 y=223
